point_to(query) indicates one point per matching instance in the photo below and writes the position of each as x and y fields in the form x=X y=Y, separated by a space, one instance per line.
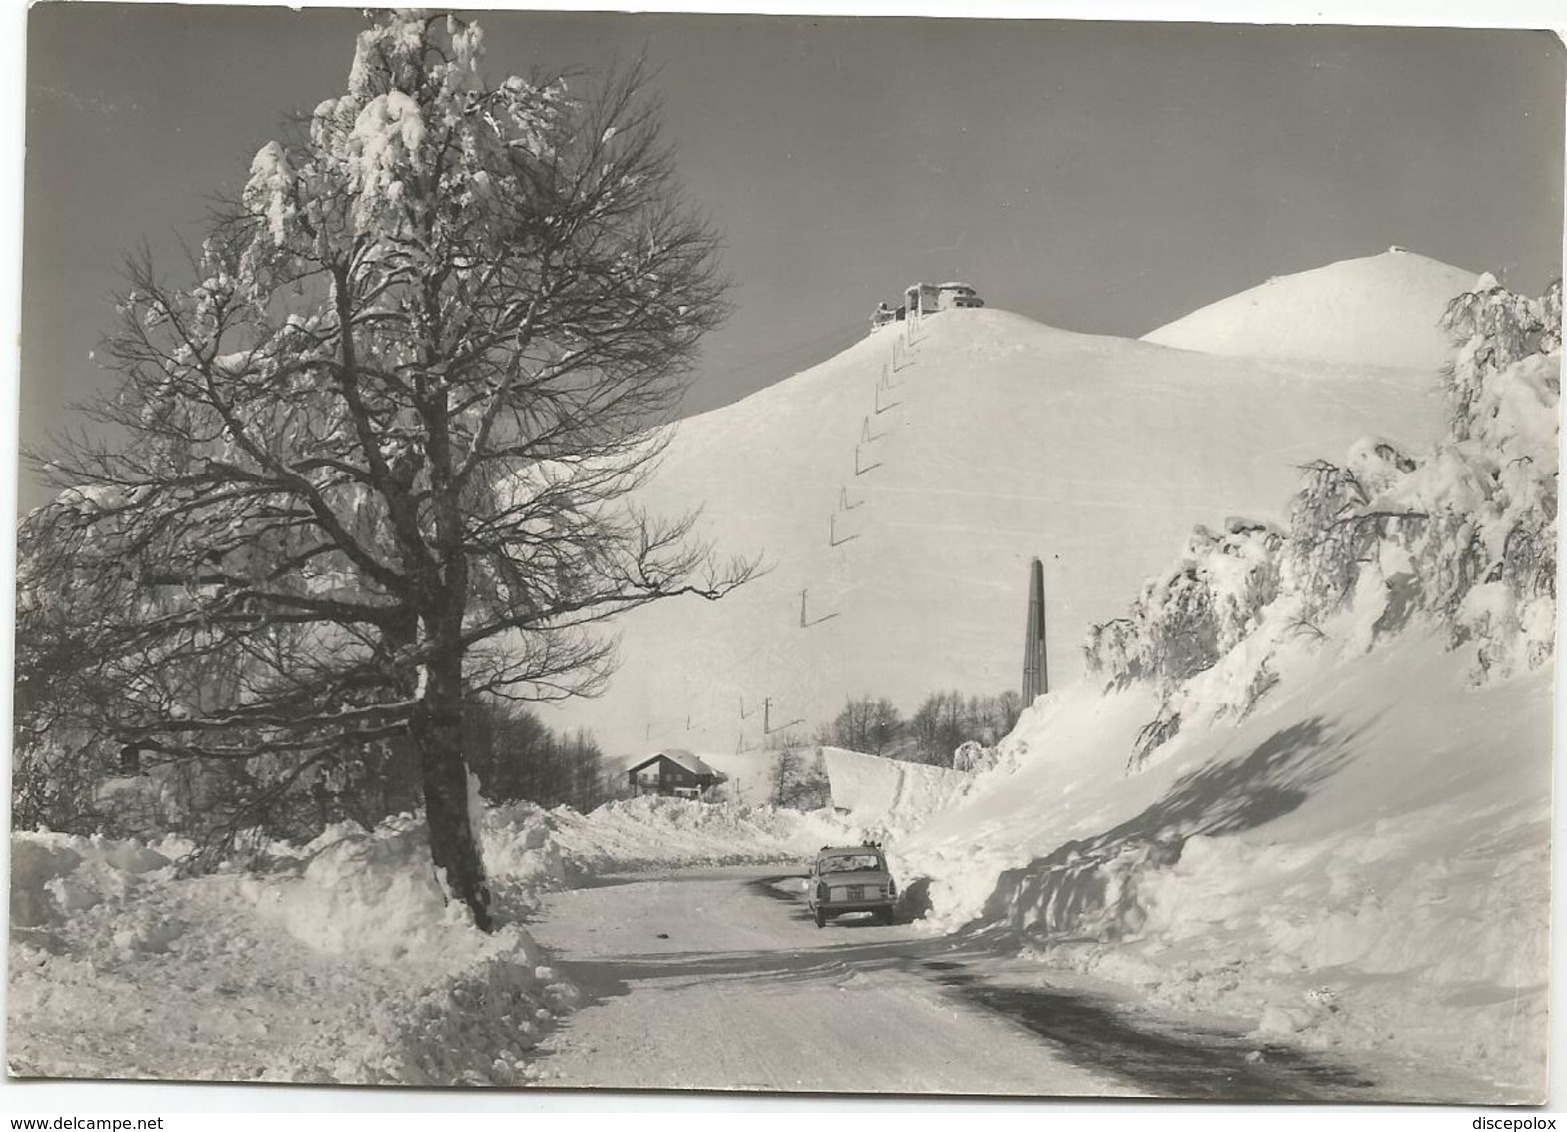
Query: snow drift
x=1347 y=845
x=1308 y=783
x=656 y=832
x=339 y=961
x=888 y=797
x=1380 y=310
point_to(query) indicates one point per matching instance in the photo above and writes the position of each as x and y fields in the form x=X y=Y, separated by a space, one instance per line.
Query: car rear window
x=850 y=863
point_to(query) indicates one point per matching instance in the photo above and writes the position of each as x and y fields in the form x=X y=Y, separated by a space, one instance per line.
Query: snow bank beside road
x=1315 y=792
x=654 y=832
x=887 y=796
x=1362 y=863
x=336 y=962
x=54 y=876
x=341 y=964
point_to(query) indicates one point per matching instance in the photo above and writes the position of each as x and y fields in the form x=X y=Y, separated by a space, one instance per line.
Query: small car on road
x=851 y=879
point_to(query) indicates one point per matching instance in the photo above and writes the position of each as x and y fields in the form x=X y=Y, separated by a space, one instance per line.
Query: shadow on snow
x=1068 y=889
x=1087 y=887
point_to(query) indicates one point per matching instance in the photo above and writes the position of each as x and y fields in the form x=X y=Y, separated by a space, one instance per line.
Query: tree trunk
x=436 y=727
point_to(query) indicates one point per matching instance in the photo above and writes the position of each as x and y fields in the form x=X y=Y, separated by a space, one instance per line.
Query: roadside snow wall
x=1363 y=863
x=653 y=832
x=888 y=796
x=338 y=962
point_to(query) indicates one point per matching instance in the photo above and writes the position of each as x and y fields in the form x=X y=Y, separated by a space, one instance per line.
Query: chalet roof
x=679 y=757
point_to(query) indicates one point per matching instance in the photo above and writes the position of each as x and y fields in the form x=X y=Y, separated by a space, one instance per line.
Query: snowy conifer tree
x=375 y=458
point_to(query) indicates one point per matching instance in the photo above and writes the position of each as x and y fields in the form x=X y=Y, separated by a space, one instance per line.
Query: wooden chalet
x=673 y=772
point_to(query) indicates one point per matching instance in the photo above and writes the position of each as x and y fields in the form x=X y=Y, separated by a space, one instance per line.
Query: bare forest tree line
x=938 y=726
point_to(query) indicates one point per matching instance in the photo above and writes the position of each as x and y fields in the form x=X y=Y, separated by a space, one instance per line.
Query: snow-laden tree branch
x=379 y=454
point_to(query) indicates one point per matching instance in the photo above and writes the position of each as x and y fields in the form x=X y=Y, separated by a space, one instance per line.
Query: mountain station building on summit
x=920 y=299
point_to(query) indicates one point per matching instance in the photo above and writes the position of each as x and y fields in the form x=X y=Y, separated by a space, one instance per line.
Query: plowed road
x=718 y=979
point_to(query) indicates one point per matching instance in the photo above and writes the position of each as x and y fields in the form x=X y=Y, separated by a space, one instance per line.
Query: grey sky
x=1100 y=177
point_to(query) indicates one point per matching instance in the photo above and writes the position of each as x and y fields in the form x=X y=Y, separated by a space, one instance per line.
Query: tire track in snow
x=746 y=993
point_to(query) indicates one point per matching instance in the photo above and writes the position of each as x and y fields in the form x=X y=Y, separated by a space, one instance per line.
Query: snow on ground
x=721 y=980
x=998 y=439
x=1362 y=863
x=335 y=962
x=1380 y=310
x=1358 y=861
x=748 y=775
x=656 y=832
x=338 y=961
x=1309 y=783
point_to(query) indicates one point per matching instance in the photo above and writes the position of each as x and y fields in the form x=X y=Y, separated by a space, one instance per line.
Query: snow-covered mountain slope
x=999 y=439
x=1377 y=310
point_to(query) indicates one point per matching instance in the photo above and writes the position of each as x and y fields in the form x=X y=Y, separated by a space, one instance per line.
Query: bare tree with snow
x=375 y=459
x=867 y=725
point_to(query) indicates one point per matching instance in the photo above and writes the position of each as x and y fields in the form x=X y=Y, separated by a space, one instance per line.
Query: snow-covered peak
x=1380 y=310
